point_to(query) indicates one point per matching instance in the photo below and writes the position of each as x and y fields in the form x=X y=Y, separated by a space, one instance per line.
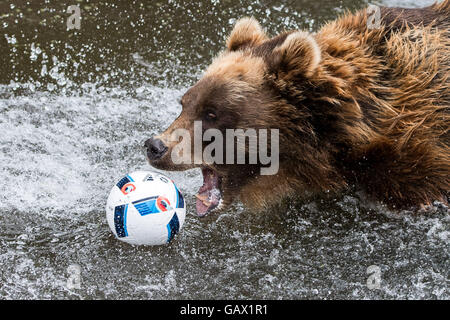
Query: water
x=75 y=108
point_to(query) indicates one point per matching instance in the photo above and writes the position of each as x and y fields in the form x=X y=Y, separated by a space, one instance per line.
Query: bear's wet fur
x=354 y=106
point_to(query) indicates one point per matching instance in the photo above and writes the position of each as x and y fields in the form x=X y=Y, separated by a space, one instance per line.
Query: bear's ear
x=298 y=55
x=246 y=33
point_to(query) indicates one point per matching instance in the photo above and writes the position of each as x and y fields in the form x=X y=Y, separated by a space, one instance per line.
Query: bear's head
x=262 y=86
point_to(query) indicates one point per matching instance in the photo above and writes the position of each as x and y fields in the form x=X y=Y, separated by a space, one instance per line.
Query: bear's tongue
x=208 y=196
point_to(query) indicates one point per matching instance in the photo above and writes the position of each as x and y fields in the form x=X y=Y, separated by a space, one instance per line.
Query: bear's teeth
x=201 y=197
x=204 y=199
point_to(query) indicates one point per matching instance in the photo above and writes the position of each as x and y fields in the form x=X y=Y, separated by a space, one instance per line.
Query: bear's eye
x=210 y=115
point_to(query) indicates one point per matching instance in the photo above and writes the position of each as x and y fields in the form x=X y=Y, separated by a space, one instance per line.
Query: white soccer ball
x=145 y=208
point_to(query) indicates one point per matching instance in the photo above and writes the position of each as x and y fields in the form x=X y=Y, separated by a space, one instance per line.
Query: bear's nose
x=155 y=148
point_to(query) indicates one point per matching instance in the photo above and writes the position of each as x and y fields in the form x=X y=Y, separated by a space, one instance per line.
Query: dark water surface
x=75 y=107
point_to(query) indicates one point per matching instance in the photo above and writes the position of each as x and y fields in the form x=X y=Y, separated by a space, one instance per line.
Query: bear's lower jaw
x=209 y=196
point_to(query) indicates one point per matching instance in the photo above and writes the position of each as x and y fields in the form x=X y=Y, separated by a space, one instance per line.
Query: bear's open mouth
x=209 y=195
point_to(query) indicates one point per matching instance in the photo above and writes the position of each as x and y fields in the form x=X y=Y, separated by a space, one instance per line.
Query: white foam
x=63 y=153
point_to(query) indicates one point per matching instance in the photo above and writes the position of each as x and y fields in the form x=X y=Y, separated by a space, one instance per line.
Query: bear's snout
x=155 y=148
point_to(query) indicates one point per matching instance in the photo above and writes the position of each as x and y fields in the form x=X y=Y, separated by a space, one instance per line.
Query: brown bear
x=354 y=105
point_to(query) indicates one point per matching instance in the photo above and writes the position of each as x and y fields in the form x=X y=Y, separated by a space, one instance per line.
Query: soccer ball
x=145 y=208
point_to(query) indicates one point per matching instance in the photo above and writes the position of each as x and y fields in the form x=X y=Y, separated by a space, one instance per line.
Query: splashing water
x=75 y=109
